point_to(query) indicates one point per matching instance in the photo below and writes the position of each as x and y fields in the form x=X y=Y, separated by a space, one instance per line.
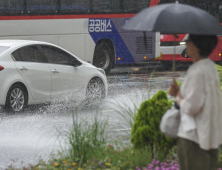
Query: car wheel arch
x=97 y=78
x=22 y=97
x=108 y=41
x=18 y=83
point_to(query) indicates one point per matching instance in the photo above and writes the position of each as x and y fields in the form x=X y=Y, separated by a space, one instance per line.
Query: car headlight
x=101 y=70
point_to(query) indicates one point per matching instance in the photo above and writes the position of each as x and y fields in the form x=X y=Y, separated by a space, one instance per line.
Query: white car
x=35 y=72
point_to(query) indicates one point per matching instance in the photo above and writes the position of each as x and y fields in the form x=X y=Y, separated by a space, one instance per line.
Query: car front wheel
x=16 y=98
x=95 y=91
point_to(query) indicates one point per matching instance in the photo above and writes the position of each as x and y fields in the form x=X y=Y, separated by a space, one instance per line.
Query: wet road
x=27 y=136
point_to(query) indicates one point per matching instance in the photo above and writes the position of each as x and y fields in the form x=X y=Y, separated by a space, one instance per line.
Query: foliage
x=179 y=83
x=107 y=159
x=89 y=149
x=145 y=131
x=85 y=138
x=219 y=69
x=220 y=156
x=170 y=164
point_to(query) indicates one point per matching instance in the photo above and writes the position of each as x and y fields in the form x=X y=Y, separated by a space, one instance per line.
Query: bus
x=171 y=44
x=90 y=29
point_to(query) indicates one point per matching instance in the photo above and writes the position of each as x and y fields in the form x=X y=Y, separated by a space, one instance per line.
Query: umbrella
x=175 y=18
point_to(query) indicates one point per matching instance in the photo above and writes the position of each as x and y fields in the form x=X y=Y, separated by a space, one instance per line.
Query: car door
x=67 y=79
x=34 y=70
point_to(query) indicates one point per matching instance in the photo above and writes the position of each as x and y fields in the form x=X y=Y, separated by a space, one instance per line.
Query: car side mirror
x=76 y=63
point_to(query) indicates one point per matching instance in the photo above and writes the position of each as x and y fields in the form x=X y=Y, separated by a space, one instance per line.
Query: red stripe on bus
x=36 y=17
x=169 y=57
x=170 y=37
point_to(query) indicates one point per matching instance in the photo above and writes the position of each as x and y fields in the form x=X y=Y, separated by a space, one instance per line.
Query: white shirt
x=201 y=107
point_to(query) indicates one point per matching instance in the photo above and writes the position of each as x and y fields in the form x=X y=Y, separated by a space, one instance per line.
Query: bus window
x=167 y=1
x=107 y=6
x=41 y=7
x=220 y=12
x=212 y=6
x=134 y=6
x=142 y=4
x=11 y=7
x=73 y=7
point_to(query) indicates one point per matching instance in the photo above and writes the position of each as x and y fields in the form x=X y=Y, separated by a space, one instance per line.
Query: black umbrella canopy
x=175 y=18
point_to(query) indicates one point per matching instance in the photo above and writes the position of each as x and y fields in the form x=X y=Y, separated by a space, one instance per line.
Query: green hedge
x=145 y=130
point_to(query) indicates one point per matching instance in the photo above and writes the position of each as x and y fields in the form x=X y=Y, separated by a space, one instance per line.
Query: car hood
x=88 y=64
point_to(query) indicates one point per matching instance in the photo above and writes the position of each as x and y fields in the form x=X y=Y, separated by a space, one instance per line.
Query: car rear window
x=3 y=48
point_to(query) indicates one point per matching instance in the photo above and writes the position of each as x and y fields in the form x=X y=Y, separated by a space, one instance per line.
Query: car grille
x=144 y=45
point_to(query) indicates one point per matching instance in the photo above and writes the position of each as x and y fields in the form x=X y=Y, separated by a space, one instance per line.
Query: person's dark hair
x=205 y=43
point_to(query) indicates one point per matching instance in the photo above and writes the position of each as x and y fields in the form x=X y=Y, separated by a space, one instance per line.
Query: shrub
x=220 y=156
x=145 y=131
x=219 y=69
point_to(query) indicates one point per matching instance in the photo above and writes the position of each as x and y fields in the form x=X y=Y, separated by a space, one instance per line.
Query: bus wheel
x=103 y=57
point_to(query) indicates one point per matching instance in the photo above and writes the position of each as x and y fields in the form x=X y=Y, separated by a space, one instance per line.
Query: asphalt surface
x=34 y=133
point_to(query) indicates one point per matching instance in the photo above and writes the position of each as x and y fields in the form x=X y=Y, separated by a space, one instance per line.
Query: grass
x=85 y=139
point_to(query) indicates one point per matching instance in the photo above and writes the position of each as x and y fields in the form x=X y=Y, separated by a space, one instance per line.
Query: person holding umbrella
x=199 y=98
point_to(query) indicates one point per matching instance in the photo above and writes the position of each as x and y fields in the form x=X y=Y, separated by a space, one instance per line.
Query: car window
x=56 y=56
x=11 y=7
x=28 y=53
x=17 y=55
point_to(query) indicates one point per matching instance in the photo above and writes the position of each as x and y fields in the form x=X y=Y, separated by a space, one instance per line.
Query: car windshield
x=3 y=48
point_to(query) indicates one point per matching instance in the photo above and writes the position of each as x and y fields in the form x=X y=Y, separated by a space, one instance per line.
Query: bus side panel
x=90 y=47
x=135 y=41
x=154 y=2
x=54 y=39
x=43 y=27
x=75 y=43
x=140 y=44
x=16 y=37
x=216 y=54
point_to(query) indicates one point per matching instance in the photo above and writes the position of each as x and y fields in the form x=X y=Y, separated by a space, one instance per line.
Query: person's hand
x=179 y=98
x=174 y=88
